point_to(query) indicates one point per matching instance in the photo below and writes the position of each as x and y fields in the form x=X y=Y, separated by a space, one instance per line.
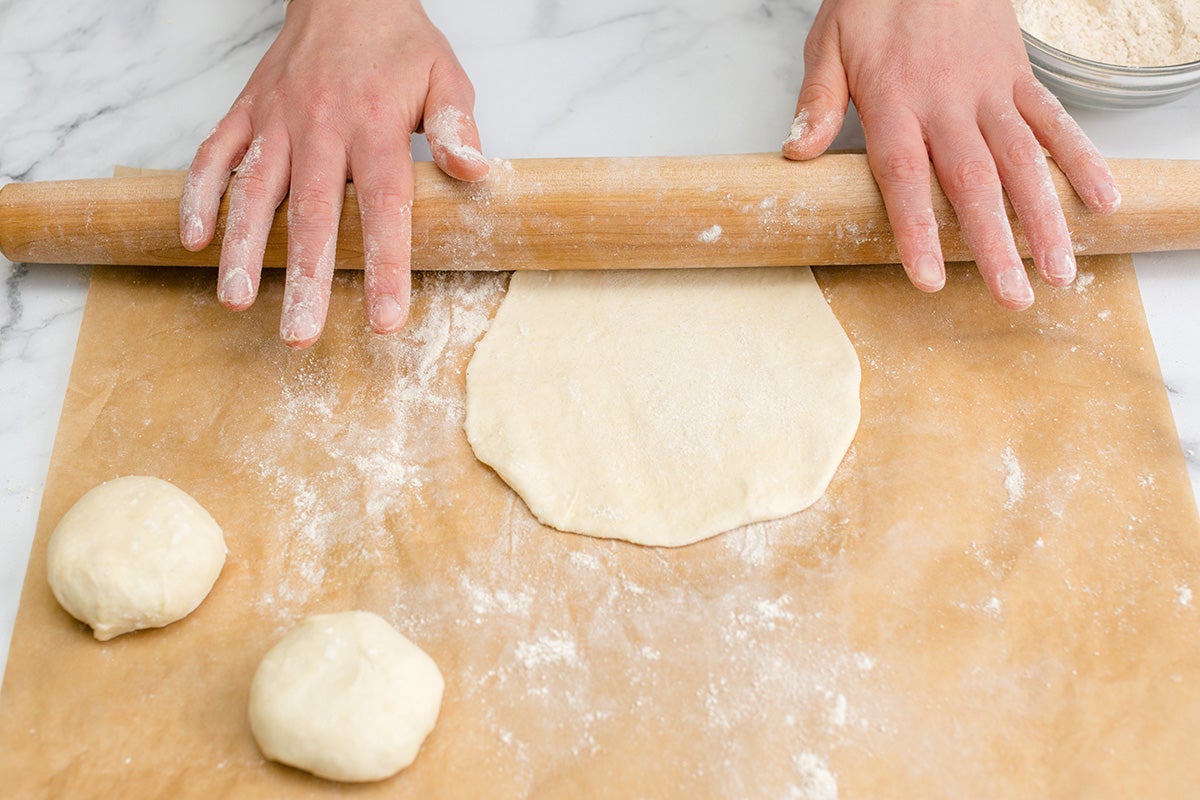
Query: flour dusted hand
x=949 y=83
x=336 y=96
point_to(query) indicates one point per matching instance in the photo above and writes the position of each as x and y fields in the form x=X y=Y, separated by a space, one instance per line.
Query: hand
x=337 y=95
x=949 y=82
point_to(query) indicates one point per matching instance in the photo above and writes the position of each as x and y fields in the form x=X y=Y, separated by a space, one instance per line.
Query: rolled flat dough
x=663 y=406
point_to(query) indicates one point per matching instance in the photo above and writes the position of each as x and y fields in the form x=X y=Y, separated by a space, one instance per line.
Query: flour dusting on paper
x=565 y=614
x=1014 y=478
x=816 y=781
x=374 y=452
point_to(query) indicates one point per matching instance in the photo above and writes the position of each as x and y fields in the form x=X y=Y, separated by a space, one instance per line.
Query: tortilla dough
x=133 y=553
x=663 y=406
x=346 y=697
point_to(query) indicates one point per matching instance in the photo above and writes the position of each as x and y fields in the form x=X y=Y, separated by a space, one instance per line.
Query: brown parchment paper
x=993 y=599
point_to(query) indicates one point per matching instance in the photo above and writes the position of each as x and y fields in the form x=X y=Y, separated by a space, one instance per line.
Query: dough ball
x=346 y=697
x=133 y=553
x=663 y=406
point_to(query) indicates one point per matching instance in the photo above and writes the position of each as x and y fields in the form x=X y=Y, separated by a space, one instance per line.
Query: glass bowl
x=1093 y=84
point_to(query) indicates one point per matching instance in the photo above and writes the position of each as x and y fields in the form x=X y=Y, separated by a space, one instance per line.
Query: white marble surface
x=88 y=85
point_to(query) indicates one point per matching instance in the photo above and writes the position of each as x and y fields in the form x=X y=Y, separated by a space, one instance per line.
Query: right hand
x=948 y=86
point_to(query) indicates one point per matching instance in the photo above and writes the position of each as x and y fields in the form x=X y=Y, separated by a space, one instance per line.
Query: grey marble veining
x=88 y=85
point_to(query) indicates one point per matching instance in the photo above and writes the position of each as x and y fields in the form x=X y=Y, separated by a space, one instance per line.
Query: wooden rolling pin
x=741 y=210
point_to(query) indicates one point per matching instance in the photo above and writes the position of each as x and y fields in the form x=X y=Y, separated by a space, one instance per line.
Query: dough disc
x=663 y=406
x=133 y=553
x=346 y=697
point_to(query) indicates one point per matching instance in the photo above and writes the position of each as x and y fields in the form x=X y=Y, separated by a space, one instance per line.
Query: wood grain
x=596 y=213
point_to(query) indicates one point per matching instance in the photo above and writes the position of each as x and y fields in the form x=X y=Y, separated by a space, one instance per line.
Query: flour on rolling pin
x=597 y=213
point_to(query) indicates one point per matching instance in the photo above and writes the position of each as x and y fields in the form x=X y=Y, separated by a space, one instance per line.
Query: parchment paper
x=993 y=599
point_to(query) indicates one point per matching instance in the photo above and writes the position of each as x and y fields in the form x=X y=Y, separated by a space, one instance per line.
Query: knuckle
x=206 y=153
x=819 y=93
x=915 y=230
x=1058 y=125
x=1085 y=161
x=818 y=46
x=989 y=238
x=450 y=75
x=251 y=186
x=903 y=167
x=1024 y=152
x=321 y=105
x=382 y=200
x=309 y=208
x=1028 y=89
x=373 y=108
x=813 y=48
x=971 y=175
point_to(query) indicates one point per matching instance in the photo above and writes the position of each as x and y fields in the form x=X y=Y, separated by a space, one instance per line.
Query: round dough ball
x=663 y=406
x=346 y=697
x=133 y=553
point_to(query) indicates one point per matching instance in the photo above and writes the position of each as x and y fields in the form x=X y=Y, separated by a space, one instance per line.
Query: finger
x=318 y=181
x=453 y=137
x=383 y=182
x=208 y=176
x=257 y=189
x=967 y=174
x=1026 y=178
x=900 y=163
x=824 y=98
x=1069 y=146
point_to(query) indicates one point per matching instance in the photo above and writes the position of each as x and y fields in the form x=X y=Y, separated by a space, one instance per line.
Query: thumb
x=449 y=126
x=824 y=97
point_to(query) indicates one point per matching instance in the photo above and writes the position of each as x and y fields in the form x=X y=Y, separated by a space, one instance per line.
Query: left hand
x=337 y=95
x=950 y=83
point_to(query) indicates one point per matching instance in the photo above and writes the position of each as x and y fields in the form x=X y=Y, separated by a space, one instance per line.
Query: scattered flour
x=816 y=781
x=1014 y=478
x=837 y=715
x=552 y=648
x=1183 y=595
x=1138 y=33
x=710 y=235
x=557 y=642
x=362 y=459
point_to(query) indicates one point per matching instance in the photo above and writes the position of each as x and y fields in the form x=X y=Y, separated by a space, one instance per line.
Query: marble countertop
x=90 y=85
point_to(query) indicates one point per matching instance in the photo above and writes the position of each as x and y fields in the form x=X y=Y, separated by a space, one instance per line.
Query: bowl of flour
x=1113 y=53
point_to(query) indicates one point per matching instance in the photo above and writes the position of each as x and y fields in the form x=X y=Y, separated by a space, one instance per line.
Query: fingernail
x=1014 y=286
x=800 y=128
x=468 y=153
x=929 y=273
x=388 y=313
x=193 y=231
x=1060 y=265
x=1109 y=196
x=235 y=290
x=299 y=325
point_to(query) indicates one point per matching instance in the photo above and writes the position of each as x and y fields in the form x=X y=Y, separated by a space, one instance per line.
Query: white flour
x=816 y=781
x=553 y=645
x=1014 y=478
x=1140 y=33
